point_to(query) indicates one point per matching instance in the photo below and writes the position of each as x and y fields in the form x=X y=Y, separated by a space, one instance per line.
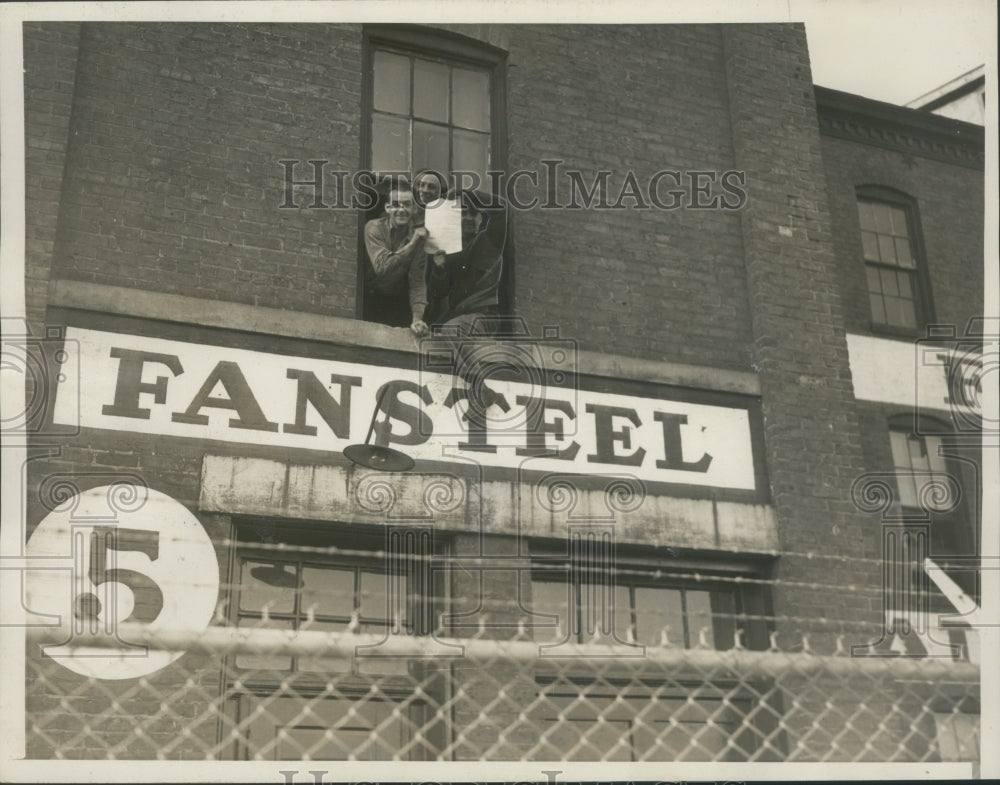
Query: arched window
x=930 y=484
x=892 y=249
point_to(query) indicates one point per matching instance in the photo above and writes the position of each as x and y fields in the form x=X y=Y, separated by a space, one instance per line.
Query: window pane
x=907 y=488
x=656 y=609
x=374 y=595
x=903 y=254
x=329 y=592
x=550 y=597
x=874 y=281
x=878 y=309
x=905 y=289
x=390 y=143
x=392 y=83
x=898 y=221
x=699 y=617
x=869 y=240
x=255 y=662
x=430 y=147
x=623 y=613
x=900 y=312
x=894 y=311
x=471 y=153
x=888 y=278
x=325 y=664
x=917 y=453
x=598 y=607
x=430 y=90
x=935 y=460
x=886 y=249
x=883 y=219
x=471 y=99
x=268 y=583
x=866 y=214
x=909 y=314
x=724 y=621
x=900 y=450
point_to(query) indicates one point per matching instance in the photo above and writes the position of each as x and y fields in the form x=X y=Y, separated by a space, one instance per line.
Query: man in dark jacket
x=463 y=288
x=463 y=293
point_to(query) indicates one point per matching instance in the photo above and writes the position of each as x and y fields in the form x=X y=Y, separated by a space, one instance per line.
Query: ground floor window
x=293 y=707
x=636 y=710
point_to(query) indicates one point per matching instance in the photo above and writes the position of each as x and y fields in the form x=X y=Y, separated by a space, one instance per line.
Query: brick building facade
x=160 y=215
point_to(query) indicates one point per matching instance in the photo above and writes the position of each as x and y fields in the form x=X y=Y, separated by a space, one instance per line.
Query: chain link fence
x=260 y=693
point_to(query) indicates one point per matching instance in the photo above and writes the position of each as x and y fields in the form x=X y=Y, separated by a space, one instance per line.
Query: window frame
x=242 y=687
x=959 y=538
x=643 y=567
x=457 y=49
x=923 y=303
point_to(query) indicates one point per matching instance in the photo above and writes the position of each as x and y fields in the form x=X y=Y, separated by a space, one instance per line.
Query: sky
x=895 y=50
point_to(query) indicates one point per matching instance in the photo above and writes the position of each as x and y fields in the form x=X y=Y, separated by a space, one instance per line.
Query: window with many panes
x=643 y=612
x=929 y=485
x=917 y=460
x=429 y=114
x=435 y=102
x=282 y=707
x=891 y=249
x=649 y=715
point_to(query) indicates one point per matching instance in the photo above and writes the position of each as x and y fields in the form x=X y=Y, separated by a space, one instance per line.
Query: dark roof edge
x=959 y=92
x=837 y=101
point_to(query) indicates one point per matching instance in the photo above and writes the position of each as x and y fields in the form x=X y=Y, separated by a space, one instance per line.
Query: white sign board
x=137 y=384
x=916 y=374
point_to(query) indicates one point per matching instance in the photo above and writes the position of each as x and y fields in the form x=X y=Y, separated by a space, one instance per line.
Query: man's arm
x=386 y=263
x=418 y=287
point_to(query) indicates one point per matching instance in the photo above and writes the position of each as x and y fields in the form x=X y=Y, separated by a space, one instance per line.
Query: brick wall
x=173 y=181
x=173 y=178
x=949 y=200
x=812 y=431
x=667 y=285
x=69 y=702
x=50 y=56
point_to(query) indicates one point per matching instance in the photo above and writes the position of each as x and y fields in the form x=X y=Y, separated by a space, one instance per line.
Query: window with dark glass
x=281 y=707
x=891 y=250
x=429 y=113
x=930 y=487
x=650 y=714
x=917 y=460
x=643 y=613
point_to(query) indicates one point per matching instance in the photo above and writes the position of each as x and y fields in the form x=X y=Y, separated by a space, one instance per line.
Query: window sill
x=123 y=301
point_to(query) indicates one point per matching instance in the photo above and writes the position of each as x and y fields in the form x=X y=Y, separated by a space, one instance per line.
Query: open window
x=932 y=489
x=434 y=102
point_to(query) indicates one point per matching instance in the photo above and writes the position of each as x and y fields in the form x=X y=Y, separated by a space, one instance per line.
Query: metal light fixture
x=377 y=456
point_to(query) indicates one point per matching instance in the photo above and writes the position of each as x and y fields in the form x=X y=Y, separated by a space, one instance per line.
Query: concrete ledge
x=186 y=310
x=258 y=486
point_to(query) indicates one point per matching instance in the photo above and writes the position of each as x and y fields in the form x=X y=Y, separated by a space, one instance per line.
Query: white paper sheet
x=443 y=219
